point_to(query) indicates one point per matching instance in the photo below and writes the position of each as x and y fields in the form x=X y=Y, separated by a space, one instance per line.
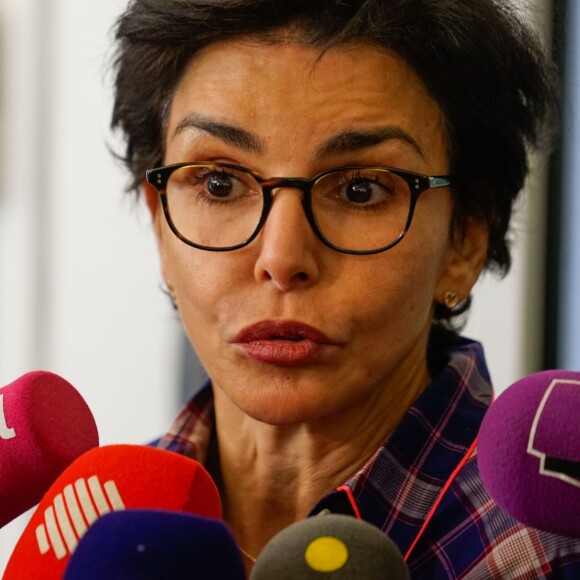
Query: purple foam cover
x=529 y=451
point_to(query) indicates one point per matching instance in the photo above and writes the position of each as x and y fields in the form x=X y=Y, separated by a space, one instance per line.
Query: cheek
x=399 y=294
x=208 y=286
x=200 y=281
x=402 y=287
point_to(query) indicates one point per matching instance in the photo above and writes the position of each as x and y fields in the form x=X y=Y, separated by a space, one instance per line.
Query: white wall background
x=570 y=290
x=79 y=282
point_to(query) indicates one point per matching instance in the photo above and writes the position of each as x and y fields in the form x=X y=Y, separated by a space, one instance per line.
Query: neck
x=271 y=476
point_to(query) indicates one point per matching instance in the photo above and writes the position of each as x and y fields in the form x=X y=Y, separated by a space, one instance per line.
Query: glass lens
x=361 y=209
x=212 y=206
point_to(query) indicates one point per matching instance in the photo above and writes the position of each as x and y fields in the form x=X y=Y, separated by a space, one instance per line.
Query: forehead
x=305 y=94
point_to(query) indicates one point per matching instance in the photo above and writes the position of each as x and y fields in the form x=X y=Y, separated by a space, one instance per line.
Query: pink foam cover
x=44 y=425
x=529 y=451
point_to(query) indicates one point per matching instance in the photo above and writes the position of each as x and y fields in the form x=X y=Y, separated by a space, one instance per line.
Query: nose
x=288 y=246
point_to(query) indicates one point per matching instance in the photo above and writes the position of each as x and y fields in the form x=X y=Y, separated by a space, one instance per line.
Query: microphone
x=152 y=545
x=333 y=546
x=104 y=480
x=529 y=451
x=44 y=425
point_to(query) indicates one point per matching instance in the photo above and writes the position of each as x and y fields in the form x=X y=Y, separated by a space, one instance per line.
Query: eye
x=219 y=184
x=211 y=183
x=359 y=190
x=366 y=188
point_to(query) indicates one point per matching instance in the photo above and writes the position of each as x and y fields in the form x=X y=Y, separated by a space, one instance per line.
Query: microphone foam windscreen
x=155 y=545
x=529 y=451
x=330 y=546
x=103 y=480
x=44 y=425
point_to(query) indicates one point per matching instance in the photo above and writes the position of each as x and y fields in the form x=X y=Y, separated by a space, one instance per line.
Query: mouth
x=281 y=330
x=282 y=342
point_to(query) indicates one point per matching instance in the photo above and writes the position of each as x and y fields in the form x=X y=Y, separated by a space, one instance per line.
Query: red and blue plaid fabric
x=469 y=536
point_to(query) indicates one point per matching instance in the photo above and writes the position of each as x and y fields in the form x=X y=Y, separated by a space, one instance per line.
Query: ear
x=467 y=258
x=151 y=196
x=152 y=200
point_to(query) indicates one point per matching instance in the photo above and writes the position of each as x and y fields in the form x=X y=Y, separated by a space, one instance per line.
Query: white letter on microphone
x=5 y=431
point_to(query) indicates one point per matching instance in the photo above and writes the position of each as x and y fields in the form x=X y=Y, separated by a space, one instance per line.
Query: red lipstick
x=282 y=342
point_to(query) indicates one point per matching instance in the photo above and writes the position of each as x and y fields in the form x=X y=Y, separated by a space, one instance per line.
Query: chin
x=281 y=410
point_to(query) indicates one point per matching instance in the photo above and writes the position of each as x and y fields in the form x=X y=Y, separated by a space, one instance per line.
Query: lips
x=282 y=342
x=281 y=330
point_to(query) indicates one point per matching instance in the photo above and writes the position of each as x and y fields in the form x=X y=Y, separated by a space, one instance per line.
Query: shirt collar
x=397 y=487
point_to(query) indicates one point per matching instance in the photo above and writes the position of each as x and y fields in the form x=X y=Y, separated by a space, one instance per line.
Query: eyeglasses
x=355 y=210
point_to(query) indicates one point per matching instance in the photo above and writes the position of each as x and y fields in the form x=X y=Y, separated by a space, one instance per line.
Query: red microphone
x=44 y=425
x=101 y=481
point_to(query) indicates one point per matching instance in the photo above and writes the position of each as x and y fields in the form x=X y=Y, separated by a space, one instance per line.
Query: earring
x=169 y=291
x=450 y=299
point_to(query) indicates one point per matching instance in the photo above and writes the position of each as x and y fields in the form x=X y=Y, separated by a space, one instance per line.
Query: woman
x=321 y=300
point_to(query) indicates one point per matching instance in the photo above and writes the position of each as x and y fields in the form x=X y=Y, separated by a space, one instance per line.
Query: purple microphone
x=529 y=451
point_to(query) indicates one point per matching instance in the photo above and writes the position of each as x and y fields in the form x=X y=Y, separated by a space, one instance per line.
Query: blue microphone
x=155 y=545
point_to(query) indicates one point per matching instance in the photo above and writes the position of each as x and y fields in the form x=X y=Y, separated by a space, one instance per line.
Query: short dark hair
x=478 y=58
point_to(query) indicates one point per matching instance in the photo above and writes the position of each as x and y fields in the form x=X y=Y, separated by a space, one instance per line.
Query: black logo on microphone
x=554 y=433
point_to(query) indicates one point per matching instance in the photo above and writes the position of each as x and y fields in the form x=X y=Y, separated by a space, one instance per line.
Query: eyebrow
x=347 y=141
x=230 y=134
x=350 y=141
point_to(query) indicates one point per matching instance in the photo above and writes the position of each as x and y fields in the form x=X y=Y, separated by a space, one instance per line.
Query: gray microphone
x=333 y=547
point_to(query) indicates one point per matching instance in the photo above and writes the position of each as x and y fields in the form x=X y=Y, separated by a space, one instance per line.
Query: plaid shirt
x=469 y=536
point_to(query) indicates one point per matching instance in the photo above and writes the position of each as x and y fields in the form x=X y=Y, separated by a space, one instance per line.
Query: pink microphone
x=44 y=426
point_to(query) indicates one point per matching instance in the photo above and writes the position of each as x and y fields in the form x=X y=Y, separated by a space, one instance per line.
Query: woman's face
x=288 y=329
